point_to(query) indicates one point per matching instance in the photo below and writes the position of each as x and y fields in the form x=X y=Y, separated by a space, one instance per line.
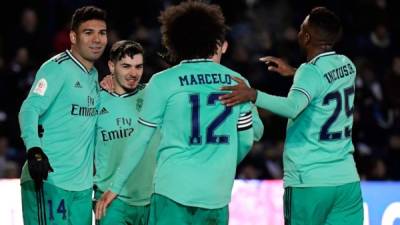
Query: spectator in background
x=29 y=36
x=61 y=39
x=378 y=46
x=392 y=84
x=8 y=168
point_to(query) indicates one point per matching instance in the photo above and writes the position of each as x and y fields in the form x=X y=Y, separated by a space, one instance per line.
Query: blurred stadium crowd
x=32 y=31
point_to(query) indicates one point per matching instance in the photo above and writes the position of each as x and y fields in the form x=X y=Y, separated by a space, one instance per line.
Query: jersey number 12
x=195 y=137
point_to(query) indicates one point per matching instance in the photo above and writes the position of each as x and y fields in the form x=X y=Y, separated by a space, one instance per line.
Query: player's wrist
x=291 y=71
x=253 y=95
x=35 y=153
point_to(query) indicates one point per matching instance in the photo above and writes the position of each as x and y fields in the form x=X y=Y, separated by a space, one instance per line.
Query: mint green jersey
x=200 y=137
x=117 y=115
x=198 y=152
x=63 y=100
x=318 y=147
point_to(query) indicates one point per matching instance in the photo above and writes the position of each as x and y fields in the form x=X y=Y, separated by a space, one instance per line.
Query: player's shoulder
x=56 y=62
x=60 y=59
x=229 y=71
x=141 y=86
x=164 y=75
x=309 y=68
x=104 y=92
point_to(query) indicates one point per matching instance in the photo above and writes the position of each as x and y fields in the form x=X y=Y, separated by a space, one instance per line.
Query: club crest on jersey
x=41 y=87
x=139 y=103
x=78 y=85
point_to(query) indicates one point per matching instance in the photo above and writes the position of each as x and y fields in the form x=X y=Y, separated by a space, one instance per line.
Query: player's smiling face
x=90 y=39
x=127 y=72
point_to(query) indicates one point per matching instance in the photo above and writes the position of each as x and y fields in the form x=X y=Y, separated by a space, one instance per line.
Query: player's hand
x=278 y=65
x=38 y=165
x=103 y=203
x=107 y=83
x=240 y=93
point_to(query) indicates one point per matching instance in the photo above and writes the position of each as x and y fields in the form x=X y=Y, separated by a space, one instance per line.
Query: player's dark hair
x=192 y=30
x=120 y=49
x=86 y=13
x=326 y=23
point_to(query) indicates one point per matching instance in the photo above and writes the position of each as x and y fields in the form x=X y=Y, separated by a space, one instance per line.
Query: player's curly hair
x=86 y=13
x=123 y=48
x=192 y=29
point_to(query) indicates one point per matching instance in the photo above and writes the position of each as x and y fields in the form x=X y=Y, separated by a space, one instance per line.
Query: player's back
x=318 y=149
x=198 y=151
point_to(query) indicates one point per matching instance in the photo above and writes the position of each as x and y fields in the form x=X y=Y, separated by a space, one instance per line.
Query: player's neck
x=119 y=90
x=313 y=52
x=86 y=63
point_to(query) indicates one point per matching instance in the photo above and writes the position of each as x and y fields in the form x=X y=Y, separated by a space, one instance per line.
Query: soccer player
x=57 y=180
x=118 y=112
x=320 y=177
x=198 y=153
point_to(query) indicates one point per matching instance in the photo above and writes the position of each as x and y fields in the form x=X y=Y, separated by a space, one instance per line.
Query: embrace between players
x=166 y=153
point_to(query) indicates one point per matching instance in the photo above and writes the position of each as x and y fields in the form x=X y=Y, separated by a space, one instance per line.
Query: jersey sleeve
x=307 y=81
x=154 y=103
x=133 y=153
x=289 y=107
x=258 y=126
x=245 y=131
x=48 y=83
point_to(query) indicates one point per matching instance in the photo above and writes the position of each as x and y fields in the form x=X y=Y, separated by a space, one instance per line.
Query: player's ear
x=72 y=37
x=225 y=46
x=111 y=66
x=307 y=38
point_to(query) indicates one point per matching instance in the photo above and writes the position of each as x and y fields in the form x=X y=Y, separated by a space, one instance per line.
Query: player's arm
x=258 y=126
x=306 y=85
x=133 y=153
x=48 y=83
x=290 y=106
x=245 y=131
x=150 y=118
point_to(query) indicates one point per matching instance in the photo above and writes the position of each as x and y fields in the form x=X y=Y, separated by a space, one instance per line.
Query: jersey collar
x=76 y=61
x=196 y=60
x=123 y=95
x=314 y=60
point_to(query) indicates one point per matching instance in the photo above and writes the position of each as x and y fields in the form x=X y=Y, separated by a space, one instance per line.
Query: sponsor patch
x=41 y=87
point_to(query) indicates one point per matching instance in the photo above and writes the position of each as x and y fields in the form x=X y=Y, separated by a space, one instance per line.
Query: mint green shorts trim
x=62 y=207
x=120 y=213
x=336 y=205
x=164 y=211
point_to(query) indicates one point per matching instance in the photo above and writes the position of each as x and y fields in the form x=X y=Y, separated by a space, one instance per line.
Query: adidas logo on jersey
x=103 y=111
x=78 y=85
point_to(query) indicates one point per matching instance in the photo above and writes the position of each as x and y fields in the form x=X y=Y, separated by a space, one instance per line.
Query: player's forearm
x=290 y=106
x=245 y=142
x=28 y=122
x=133 y=153
x=258 y=126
